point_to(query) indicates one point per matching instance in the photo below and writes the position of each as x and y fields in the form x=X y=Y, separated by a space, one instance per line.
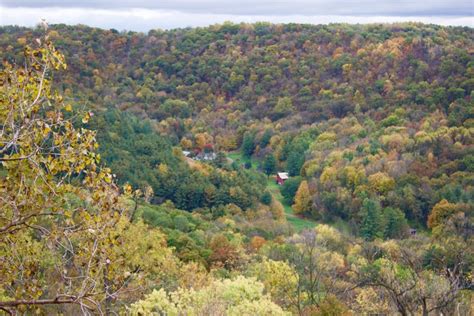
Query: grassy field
x=297 y=222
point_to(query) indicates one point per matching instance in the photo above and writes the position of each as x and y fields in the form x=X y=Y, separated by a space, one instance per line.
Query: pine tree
x=265 y=140
x=269 y=164
x=395 y=223
x=248 y=145
x=371 y=226
x=266 y=198
x=289 y=188
x=295 y=162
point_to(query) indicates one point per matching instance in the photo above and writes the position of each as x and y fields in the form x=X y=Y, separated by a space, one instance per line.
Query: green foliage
x=365 y=116
x=154 y=218
x=371 y=224
x=175 y=108
x=294 y=163
x=391 y=120
x=181 y=223
x=248 y=144
x=63 y=226
x=283 y=107
x=269 y=164
x=289 y=188
x=305 y=93
x=265 y=139
x=395 y=223
x=280 y=280
x=241 y=296
x=266 y=198
x=128 y=142
x=142 y=157
x=469 y=162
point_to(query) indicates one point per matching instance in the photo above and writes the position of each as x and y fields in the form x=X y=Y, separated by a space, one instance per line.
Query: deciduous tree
x=303 y=200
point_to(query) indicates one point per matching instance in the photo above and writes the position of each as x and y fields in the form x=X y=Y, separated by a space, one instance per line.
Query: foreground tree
x=317 y=266
x=280 y=280
x=62 y=232
x=241 y=296
x=408 y=286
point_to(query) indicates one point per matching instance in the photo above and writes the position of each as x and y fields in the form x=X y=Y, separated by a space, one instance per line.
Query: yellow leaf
x=68 y=108
x=86 y=118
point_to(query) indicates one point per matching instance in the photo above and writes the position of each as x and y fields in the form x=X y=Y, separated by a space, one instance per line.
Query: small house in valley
x=206 y=156
x=186 y=153
x=281 y=177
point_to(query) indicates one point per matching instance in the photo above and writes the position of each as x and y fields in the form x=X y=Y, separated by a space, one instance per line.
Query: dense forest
x=111 y=204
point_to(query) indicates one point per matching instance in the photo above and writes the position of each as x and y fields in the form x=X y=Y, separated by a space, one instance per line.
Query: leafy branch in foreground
x=63 y=238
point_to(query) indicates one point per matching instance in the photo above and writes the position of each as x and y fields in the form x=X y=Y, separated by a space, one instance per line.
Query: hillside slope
x=377 y=114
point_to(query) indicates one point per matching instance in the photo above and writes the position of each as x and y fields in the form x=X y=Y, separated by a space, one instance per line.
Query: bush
x=181 y=223
x=266 y=198
x=157 y=218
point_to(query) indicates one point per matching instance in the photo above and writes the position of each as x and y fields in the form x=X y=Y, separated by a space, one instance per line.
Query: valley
x=138 y=171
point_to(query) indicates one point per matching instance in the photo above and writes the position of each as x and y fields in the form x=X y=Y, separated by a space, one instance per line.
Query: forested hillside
x=373 y=123
x=374 y=112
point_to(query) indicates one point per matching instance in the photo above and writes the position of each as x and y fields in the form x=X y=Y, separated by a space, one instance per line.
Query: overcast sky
x=143 y=15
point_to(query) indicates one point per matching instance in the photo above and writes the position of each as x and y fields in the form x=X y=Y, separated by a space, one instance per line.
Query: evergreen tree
x=395 y=223
x=295 y=162
x=248 y=144
x=265 y=140
x=221 y=160
x=266 y=198
x=269 y=164
x=371 y=226
x=289 y=188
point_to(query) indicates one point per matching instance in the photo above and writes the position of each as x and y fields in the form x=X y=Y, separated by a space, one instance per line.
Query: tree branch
x=23 y=221
x=63 y=299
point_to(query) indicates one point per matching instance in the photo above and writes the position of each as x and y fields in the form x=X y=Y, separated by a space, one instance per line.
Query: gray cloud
x=271 y=8
x=146 y=19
